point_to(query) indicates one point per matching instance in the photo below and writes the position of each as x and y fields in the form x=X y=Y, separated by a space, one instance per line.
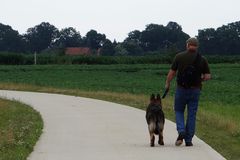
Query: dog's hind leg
x=151 y=128
x=152 y=137
x=160 y=141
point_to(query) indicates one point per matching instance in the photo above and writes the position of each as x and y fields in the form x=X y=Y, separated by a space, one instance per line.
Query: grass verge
x=20 y=128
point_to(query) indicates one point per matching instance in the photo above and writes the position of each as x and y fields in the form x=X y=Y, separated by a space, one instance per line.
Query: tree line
x=154 y=39
x=223 y=40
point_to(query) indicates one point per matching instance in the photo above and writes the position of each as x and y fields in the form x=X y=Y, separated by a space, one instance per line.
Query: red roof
x=78 y=51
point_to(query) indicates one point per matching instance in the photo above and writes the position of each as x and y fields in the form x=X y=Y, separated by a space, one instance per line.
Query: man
x=191 y=69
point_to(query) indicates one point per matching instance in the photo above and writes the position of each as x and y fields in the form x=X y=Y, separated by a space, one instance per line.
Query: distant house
x=78 y=51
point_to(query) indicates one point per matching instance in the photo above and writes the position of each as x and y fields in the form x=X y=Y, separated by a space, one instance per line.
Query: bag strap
x=196 y=60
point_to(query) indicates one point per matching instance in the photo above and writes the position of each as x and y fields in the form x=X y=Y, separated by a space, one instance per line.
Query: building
x=78 y=51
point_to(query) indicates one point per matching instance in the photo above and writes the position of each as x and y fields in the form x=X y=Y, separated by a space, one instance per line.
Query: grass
x=135 y=79
x=219 y=108
x=20 y=128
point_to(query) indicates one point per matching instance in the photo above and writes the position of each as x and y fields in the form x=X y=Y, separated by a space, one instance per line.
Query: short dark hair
x=192 y=41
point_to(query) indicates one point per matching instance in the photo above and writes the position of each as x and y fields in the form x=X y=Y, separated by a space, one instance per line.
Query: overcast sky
x=116 y=18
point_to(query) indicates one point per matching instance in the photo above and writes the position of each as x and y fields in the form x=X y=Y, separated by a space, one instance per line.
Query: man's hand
x=206 y=77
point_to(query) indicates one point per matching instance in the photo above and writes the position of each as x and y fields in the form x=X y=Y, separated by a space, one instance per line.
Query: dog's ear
x=158 y=97
x=152 y=98
x=159 y=101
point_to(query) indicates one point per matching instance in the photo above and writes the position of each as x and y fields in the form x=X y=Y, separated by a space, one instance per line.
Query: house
x=78 y=51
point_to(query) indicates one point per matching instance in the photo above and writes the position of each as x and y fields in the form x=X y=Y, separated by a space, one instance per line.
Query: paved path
x=78 y=128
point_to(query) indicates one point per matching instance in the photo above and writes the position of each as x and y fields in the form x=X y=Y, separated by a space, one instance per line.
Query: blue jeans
x=189 y=98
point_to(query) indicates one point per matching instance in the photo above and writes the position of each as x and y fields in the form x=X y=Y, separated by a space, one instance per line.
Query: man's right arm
x=171 y=73
x=170 y=76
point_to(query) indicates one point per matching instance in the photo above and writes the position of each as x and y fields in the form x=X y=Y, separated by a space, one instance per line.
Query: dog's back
x=155 y=118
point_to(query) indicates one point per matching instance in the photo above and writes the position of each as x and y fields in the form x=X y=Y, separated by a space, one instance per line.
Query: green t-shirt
x=183 y=59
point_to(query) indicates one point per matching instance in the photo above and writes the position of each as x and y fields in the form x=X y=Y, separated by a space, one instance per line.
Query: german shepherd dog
x=155 y=119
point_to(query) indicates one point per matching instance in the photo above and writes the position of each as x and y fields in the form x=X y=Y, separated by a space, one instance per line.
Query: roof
x=78 y=51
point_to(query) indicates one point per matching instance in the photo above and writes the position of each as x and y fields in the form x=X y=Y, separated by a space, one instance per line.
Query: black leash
x=165 y=93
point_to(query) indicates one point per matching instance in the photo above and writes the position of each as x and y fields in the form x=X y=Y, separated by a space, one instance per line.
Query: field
x=219 y=108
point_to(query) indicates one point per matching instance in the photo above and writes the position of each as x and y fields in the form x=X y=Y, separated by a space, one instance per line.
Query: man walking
x=191 y=69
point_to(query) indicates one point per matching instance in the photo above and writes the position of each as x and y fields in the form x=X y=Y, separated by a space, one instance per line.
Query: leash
x=165 y=93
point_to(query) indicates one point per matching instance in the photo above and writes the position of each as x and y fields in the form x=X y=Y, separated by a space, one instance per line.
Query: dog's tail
x=154 y=126
x=159 y=122
x=157 y=128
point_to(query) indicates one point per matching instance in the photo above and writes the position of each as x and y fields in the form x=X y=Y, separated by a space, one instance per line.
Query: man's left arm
x=206 y=75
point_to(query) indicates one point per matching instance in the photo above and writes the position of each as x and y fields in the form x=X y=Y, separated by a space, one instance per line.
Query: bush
x=28 y=59
x=12 y=58
x=222 y=59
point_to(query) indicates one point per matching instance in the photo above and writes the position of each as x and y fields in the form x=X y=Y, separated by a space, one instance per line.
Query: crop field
x=219 y=109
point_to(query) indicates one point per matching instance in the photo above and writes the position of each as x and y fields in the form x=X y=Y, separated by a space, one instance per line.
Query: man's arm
x=170 y=76
x=206 y=75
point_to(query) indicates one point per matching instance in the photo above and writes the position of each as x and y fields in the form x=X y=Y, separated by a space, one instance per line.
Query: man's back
x=185 y=59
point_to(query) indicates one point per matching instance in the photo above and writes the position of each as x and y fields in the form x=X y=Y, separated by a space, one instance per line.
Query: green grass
x=20 y=128
x=135 y=79
x=219 y=108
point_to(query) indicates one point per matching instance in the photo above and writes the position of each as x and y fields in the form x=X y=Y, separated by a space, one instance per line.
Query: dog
x=155 y=119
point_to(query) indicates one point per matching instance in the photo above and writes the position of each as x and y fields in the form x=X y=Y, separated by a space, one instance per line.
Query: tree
x=223 y=40
x=134 y=36
x=153 y=36
x=176 y=36
x=68 y=37
x=107 y=48
x=120 y=50
x=41 y=36
x=10 y=40
x=115 y=43
x=94 y=40
x=229 y=38
x=159 y=38
x=174 y=26
x=132 y=48
x=208 y=41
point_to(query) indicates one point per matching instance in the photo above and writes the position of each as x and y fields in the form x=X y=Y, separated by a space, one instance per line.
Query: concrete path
x=78 y=128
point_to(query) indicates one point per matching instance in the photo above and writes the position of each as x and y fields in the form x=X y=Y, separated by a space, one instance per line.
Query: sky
x=116 y=18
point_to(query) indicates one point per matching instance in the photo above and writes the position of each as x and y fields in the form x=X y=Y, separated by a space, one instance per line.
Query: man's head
x=192 y=44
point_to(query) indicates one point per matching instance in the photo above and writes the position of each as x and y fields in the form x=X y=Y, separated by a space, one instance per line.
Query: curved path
x=87 y=129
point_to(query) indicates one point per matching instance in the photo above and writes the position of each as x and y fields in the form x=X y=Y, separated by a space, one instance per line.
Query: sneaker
x=189 y=144
x=179 y=140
